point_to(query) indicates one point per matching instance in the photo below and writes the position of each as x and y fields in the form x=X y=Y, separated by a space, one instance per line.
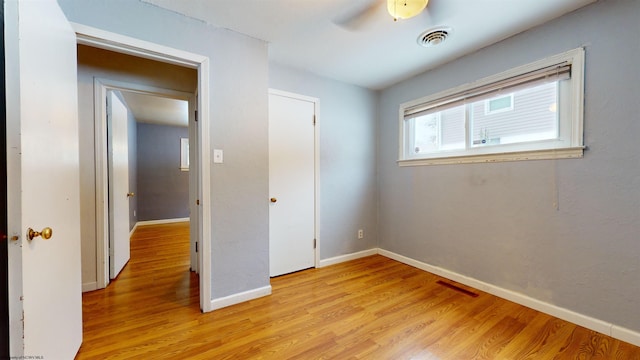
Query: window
x=498 y=104
x=531 y=112
x=184 y=154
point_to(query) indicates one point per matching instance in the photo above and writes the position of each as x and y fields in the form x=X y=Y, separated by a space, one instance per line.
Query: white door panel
x=118 y=138
x=45 y=290
x=291 y=184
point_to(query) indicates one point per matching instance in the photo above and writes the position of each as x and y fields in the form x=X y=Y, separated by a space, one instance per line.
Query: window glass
x=533 y=116
x=534 y=111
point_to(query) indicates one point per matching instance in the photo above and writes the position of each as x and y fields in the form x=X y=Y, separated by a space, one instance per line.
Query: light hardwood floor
x=371 y=308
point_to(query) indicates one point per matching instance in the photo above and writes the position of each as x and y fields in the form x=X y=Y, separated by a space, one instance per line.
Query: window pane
x=533 y=117
x=443 y=130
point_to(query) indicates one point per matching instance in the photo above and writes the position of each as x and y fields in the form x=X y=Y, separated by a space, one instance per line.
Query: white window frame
x=568 y=145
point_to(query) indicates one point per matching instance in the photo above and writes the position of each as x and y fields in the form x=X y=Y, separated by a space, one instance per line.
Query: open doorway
x=148 y=164
x=99 y=72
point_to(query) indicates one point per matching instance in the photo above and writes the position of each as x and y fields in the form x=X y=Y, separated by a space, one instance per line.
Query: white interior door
x=119 y=194
x=43 y=181
x=291 y=183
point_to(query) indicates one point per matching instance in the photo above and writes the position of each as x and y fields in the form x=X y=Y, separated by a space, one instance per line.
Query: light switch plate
x=218 y=156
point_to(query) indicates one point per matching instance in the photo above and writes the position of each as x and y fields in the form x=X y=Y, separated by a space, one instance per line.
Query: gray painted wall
x=497 y=222
x=163 y=190
x=238 y=117
x=98 y=63
x=347 y=125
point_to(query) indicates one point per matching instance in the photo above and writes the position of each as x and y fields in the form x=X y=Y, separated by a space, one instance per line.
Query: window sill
x=566 y=153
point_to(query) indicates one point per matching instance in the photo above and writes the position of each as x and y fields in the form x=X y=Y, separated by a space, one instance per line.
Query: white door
x=43 y=181
x=118 y=145
x=291 y=183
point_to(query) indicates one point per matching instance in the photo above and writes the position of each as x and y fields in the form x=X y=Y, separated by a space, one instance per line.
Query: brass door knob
x=274 y=200
x=131 y=194
x=45 y=233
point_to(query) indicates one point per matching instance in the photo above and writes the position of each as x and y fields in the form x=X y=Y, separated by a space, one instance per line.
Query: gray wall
x=347 y=124
x=163 y=189
x=238 y=119
x=497 y=222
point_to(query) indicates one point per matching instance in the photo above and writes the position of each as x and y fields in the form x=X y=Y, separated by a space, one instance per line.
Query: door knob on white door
x=45 y=233
x=274 y=200
x=131 y=194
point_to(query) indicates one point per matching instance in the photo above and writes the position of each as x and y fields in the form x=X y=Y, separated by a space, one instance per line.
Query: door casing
x=4 y=238
x=90 y=36
x=101 y=88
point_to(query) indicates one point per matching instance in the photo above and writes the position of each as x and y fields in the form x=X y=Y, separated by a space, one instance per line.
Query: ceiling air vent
x=433 y=37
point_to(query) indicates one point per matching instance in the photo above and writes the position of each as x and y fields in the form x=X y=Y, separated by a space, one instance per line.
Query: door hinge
x=314 y=120
x=198 y=202
x=196 y=246
x=196 y=117
x=315 y=243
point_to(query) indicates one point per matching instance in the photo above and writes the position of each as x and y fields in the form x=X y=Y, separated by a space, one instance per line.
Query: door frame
x=4 y=238
x=102 y=39
x=316 y=165
x=101 y=87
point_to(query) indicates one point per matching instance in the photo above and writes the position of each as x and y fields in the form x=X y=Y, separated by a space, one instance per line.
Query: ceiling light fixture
x=404 y=9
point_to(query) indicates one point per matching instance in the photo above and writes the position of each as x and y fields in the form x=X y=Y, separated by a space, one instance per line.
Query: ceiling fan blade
x=359 y=16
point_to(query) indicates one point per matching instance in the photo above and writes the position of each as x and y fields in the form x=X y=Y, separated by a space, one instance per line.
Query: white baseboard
x=615 y=331
x=135 y=226
x=240 y=297
x=89 y=286
x=348 y=257
x=630 y=336
x=162 y=221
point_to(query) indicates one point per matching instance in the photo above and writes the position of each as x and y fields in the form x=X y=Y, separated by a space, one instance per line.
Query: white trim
x=161 y=221
x=588 y=322
x=316 y=151
x=240 y=297
x=624 y=334
x=292 y=95
x=568 y=153
x=123 y=44
x=90 y=286
x=133 y=229
x=14 y=177
x=106 y=40
x=348 y=257
x=100 y=88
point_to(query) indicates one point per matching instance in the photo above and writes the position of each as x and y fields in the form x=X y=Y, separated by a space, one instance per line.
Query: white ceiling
x=376 y=52
x=157 y=110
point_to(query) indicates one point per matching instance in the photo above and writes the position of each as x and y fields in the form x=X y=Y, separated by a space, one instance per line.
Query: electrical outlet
x=360 y=234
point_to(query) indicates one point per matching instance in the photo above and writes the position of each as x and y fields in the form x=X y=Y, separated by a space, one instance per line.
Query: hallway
x=153 y=297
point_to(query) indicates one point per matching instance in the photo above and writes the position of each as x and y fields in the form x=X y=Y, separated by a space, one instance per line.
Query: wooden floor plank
x=369 y=308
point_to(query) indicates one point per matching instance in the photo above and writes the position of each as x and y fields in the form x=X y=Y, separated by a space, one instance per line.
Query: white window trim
x=571 y=145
